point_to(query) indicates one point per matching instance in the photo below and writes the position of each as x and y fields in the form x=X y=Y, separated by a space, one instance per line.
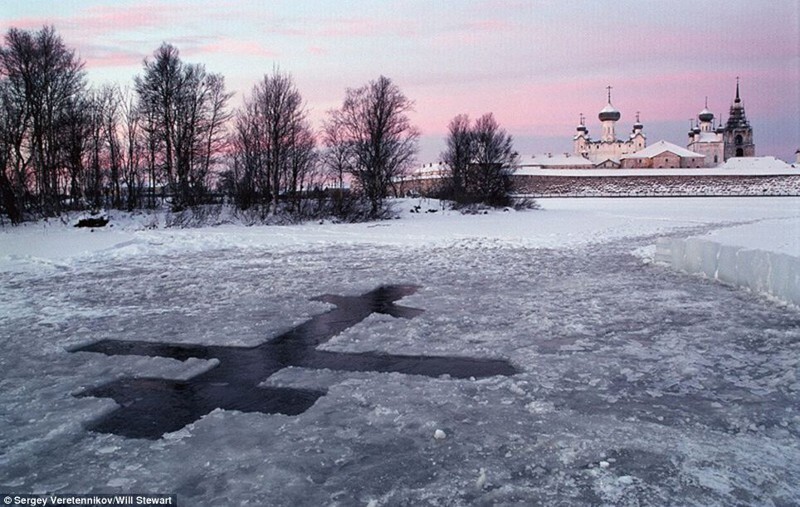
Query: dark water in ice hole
x=150 y=407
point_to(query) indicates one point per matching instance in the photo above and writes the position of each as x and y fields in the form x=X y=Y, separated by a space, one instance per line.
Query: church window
x=739 y=152
x=738 y=139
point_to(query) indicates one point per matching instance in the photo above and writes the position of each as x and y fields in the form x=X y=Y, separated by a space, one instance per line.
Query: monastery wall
x=645 y=186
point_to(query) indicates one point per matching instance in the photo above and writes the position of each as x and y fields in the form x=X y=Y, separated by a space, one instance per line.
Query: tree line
x=172 y=135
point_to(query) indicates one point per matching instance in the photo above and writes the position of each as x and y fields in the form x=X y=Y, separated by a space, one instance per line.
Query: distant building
x=632 y=153
x=663 y=155
x=608 y=150
x=738 y=132
x=556 y=161
x=734 y=139
x=708 y=140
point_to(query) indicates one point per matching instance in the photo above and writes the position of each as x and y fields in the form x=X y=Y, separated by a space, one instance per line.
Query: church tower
x=582 y=141
x=609 y=116
x=707 y=140
x=608 y=150
x=738 y=134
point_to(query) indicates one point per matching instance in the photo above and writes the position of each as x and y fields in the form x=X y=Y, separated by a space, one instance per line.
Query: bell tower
x=738 y=134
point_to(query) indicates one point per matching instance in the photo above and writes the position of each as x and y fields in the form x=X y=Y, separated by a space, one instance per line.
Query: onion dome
x=582 y=125
x=609 y=113
x=706 y=115
x=638 y=124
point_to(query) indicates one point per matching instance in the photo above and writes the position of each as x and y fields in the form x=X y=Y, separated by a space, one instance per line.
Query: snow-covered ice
x=638 y=384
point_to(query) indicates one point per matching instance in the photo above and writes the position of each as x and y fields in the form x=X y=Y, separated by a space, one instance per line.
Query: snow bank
x=562 y=223
x=766 y=272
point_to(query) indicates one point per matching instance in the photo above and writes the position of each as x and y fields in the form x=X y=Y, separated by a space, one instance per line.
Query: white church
x=608 y=150
x=709 y=145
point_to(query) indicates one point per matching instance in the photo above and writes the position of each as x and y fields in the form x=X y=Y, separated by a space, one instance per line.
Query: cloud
x=100 y=55
x=536 y=64
x=98 y=20
x=236 y=48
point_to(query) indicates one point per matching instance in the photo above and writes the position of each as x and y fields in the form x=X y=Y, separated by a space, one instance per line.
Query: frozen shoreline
x=563 y=222
x=769 y=225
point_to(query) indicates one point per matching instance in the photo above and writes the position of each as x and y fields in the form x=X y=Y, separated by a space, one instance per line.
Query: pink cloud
x=26 y=23
x=101 y=20
x=104 y=23
x=488 y=25
x=97 y=56
x=105 y=19
x=236 y=48
x=365 y=27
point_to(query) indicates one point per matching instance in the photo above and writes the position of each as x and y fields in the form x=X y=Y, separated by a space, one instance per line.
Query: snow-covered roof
x=602 y=160
x=609 y=109
x=431 y=170
x=660 y=147
x=760 y=165
x=433 y=167
x=554 y=160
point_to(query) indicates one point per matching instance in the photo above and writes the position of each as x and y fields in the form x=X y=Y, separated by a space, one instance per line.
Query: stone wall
x=645 y=186
x=630 y=186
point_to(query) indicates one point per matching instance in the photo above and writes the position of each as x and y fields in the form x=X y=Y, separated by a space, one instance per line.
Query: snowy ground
x=638 y=385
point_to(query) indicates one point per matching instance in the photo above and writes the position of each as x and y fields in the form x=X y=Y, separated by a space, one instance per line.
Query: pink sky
x=535 y=64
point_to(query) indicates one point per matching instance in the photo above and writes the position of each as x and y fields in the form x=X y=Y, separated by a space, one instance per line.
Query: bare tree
x=153 y=141
x=302 y=161
x=133 y=142
x=495 y=161
x=42 y=83
x=480 y=159
x=94 y=175
x=337 y=156
x=274 y=145
x=245 y=176
x=109 y=95
x=76 y=133
x=116 y=147
x=13 y=163
x=214 y=126
x=381 y=140
x=158 y=91
x=458 y=157
x=185 y=111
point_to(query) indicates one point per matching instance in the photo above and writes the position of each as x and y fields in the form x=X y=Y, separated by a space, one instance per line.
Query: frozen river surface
x=634 y=384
